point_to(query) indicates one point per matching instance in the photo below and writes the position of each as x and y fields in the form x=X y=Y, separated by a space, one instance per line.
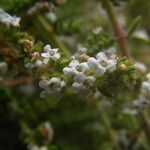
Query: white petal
x=29 y=65
x=140 y=67
x=44 y=84
x=92 y=62
x=62 y=84
x=84 y=66
x=55 y=50
x=73 y=63
x=78 y=87
x=79 y=77
x=90 y=79
x=45 y=55
x=101 y=56
x=45 y=60
x=111 y=65
x=47 y=48
x=55 y=80
x=148 y=76
x=55 y=57
x=38 y=63
x=100 y=70
x=68 y=71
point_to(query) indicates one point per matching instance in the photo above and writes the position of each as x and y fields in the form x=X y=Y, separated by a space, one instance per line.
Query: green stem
x=108 y=128
x=118 y=31
x=145 y=124
x=51 y=36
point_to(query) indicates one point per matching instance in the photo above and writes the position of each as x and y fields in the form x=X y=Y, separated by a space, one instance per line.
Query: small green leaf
x=134 y=25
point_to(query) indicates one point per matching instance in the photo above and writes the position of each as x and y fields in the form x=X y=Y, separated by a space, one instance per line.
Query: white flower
x=141 y=34
x=77 y=70
x=3 y=67
x=93 y=63
x=148 y=77
x=144 y=96
x=7 y=19
x=79 y=74
x=141 y=102
x=101 y=56
x=140 y=67
x=97 y=30
x=109 y=64
x=52 y=16
x=145 y=90
x=89 y=80
x=52 y=86
x=78 y=87
x=102 y=63
x=51 y=53
x=69 y=71
x=30 y=65
x=37 y=63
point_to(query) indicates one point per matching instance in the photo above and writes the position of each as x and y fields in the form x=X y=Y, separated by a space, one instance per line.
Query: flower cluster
x=43 y=59
x=103 y=63
x=8 y=19
x=85 y=73
x=144 y=97
x=51 y=86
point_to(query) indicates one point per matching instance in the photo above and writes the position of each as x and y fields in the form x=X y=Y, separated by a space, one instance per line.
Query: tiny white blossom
x=8 y=19
x=93 y=63
x=78 y=87
x=30 y=65
x=145 y=88
x=144 y=96
x=38 y=63
x=101 y=56
x=52 y=16
x=141 y=34
x=148 y=77
x=142 y=102
x=89 y=80
x=52 y=86
x=51 y=53
x=109 y=64
x=69 y=71
x=140 y=67
x=79 y=75
x=77 y=70
x=97 y=30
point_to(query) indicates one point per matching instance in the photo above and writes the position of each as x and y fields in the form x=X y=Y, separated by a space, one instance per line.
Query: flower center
x=79 y=68
x=104 y=63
